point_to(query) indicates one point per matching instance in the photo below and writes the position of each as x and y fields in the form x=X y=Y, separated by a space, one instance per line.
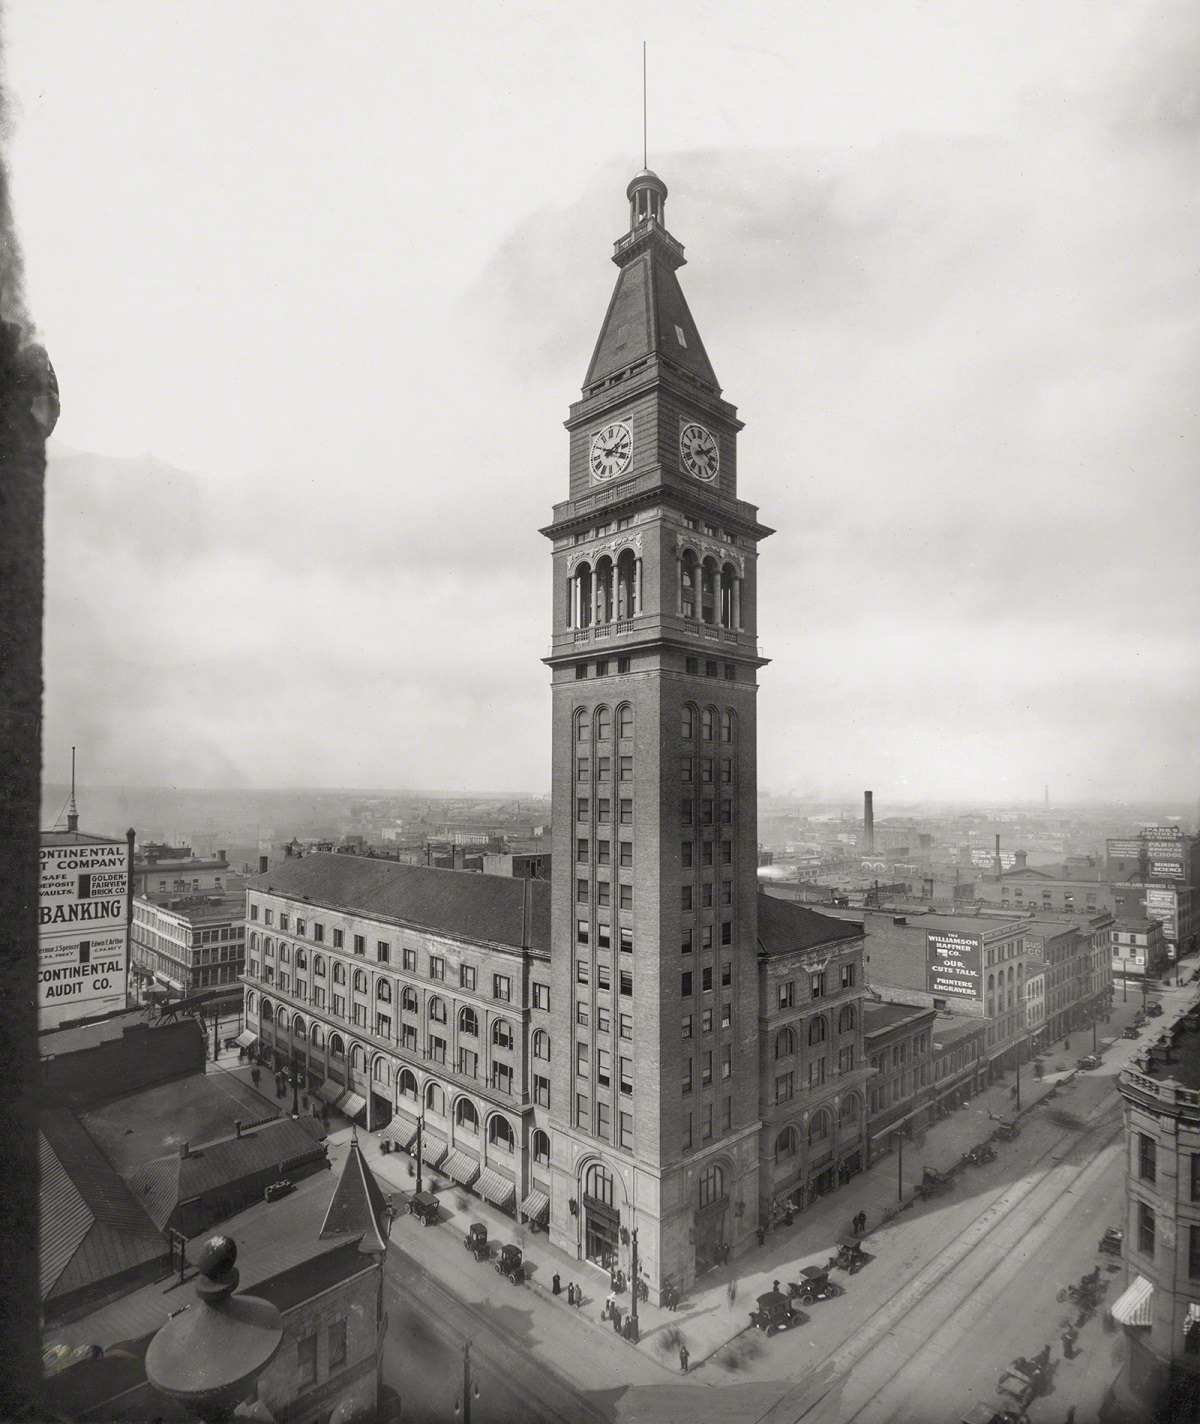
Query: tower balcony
x=620 y=633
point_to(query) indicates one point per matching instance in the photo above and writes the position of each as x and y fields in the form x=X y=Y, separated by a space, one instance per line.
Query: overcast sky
x=338 y=269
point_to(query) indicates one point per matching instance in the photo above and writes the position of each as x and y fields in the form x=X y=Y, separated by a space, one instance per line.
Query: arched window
x=383 y=991
x=603 y=724
x=319 y=965
x=689 y=584
x=337 y=1046
x=728 y=723
x=285 y=954
x=688 y=723
x=299 y=1028
x=268 y=1010
x=541 y=1044
x=254 y=941
x=360 y=981
x=627 y=589
x=849 y=1112
x=729 y=599
x=583 y=726
x=465 y=1115
x=846 y=1018
x=500 y=1133
x=282 y=1019
x=817 y=1029
x=406 y=1085
x=339 y=972
x=604 y=589
x=819 y=1127
x=540 y=1146
x=785 y=1043
x=468 y=1021
x=437 y=1010
x=706 y=724
x=786 y=1145
x=301 y=958
x=598 y=1184
x=625 y=722
x=502 y=1034
x=435 y=1099
x=380 y=1072
x=709 y=581
x=712 y=1185
x=581 y=610
x=408 y=1000
x=269 y=947
x=251 y=1001
x=317 y=1036
x=358 y=1059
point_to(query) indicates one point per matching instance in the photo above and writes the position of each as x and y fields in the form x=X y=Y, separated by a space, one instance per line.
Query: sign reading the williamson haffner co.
x=81 y=930
x=955 y=963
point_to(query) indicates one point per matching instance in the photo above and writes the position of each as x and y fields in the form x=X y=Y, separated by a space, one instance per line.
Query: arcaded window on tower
x=729 y=597
x=603 y=581
x=689 y=584
x=603 y=724
x=627 y=589
x=581 y=607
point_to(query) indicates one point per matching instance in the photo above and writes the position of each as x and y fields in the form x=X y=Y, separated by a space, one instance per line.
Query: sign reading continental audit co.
x=81 y=936
x=954 y=962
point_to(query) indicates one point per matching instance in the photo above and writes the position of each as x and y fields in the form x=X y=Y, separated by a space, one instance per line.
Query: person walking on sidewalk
x=761 y=1233
x=556 y=1284
x=683 y=1358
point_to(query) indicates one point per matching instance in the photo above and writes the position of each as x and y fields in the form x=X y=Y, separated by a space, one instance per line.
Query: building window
x=581 y=892
x=624 y=1022
x=541 y=997
x=582 y=808
x=580 y=671
x=337 y=1345
x=845 y=1060
x=685 y=984
x=786 y=995
x=818 y=985
x=1146 y=1158
x=685 y=810
x=784 y=1087
x=466 y=976
x=685 y=897
x=816 y=1073
x=437 y=967
x=319 y=933
x=687 y=1026
x=582 y=930
x=502 y=988
x=686 y=1140
x=1196 y=1176
x=1145 y=1229
x=686 y=1076
x=409 y=960
x=626 y=983
x=541 y=1091
x=582 y=1014
x=383 y=951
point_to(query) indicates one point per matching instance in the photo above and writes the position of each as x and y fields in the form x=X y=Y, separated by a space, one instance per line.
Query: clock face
x=699 y=452
x=612 y=450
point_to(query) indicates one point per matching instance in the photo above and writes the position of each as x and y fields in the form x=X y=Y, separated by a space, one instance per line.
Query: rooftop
x=80 y=838
x=491 y=909
x=199 y=908
x=879 y=1017
x=785 y=927
x=1174 y=1055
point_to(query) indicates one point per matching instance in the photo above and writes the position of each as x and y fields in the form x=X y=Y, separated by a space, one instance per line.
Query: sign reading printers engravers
x=81 y=935
x=955 y=963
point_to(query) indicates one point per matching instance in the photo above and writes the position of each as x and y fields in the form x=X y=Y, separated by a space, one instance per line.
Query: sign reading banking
x=955 y=963
x=82 y=935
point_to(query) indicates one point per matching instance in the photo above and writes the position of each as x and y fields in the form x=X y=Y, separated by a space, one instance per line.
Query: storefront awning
x=492 y=1187
x=402 y=1131
x=329 y=1091
x=246 y=1039
x=434 y=1149
x=461 y=1168
x=536 y=1207
x=352 y=1104
x=1132 y=1307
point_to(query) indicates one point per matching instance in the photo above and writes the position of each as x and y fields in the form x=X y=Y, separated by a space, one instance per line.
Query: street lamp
x=469 y=1385
x=900 y=1167
x=633 y=1271
x=420 y=1131
x=295 y=1091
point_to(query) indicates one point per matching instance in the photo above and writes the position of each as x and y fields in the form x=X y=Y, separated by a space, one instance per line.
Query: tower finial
x=645 y=146
x=72 y=809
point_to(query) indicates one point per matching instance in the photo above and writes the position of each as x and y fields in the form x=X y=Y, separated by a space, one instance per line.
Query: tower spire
x=645 y=146
x=72 y=809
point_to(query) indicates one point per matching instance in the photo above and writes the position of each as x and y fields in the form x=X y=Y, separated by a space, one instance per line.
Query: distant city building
x=191 y=943
x=160 y=869
x=524 y=865
x=1139 y=949
x=1159 y=1312
x=898 y=1042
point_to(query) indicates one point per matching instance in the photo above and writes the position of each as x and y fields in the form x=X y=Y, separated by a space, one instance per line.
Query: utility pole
x=633 y=1271
x=900 y=1167
x=469 y=1387
x=420 y=1130
x=295 y=1092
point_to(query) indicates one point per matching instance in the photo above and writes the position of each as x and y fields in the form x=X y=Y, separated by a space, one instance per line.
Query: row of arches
x=709 y=591
x=707 y=724
x=606 y=590
x=787 y=1039
x=818 y=1135
x=1005 y=989
x=598 y=723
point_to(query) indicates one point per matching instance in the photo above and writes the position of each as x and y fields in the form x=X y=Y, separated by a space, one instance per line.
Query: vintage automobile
x=425 y=1207
x=1025 y=1379
x=1154 y=1009
x=1089 y=1060
x=850 y=1256
x=774 y=1313
x=476 y=1241
x=509 y=1263
x=933 y=1183
x=814 y=1284
x=1006 y=1129
x=979 y=1155
x=274 y=1190
x=1130 y=1031
x=1112 y=1242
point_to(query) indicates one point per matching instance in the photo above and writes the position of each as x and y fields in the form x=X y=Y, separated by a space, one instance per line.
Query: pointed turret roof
x=359 y=1207
x=648 y=314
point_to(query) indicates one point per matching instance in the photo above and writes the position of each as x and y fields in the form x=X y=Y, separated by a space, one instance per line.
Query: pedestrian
x=732 y=1291
x=556 y=1284
x=1070 y=1419
x=787 y=1220
x=761 y=1233
x=570 y=1292
x=774 y=1285
x=616 y=1318
x=1068 y=1339
x=683 y=1358
x=609 y=1302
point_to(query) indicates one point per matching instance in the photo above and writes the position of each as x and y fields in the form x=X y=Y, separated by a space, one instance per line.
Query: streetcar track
x=1093 y=1140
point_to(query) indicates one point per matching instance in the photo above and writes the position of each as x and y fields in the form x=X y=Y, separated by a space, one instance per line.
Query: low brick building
x=898 y=1041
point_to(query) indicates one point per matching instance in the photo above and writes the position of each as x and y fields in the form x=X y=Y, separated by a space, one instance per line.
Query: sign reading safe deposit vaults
x=81 y=936
x=954 y=962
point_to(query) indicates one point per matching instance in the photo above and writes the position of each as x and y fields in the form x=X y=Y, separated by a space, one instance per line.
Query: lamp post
x=1018 y=1087
x=469 y=1386
x=295 y=1092
x=900 y=1167
x=633 y=1271
x=420 y=1131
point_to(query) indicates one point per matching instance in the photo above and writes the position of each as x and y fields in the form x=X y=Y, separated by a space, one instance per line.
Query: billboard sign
x=1162 y=904
x=82 y=947
x=1128 y=849
x=954 y=963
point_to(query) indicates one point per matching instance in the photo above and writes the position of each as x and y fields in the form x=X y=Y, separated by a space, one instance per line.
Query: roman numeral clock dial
x=699 y=451
x=612 y=450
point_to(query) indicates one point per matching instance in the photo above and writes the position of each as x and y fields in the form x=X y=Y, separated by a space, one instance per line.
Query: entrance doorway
x=601 y=1235
x=710 y=1236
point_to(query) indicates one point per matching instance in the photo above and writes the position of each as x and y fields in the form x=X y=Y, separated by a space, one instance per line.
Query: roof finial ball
x=209 y=1356
x=647 y=194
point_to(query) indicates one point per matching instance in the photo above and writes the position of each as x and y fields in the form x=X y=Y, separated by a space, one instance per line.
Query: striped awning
x=246 y=1039
x=495 y=1188
x=352 y=1104
x=536 y=1206
x=434 y=1149
x=461 y=1168
x=329 y=1091
x=1132 y=1307
x=402 y=1131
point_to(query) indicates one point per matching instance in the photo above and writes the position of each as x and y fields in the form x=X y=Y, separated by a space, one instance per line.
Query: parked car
x=1154 y=1010
x=1006 y=1129
x=278 y=1189
x=425 y=1207
x=476 y=1241
x=1090 y=1060
x=1130 y=1031
x=509 y=1264
x=774 y=1313
x=1112 y=1241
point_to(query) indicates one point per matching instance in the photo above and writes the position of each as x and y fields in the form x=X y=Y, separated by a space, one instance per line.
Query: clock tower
x=654 y=1001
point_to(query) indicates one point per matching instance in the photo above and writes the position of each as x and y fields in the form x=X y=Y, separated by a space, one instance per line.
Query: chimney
x=263 y=864
x=185 y=1149
x=869 y=822
x=998 y=867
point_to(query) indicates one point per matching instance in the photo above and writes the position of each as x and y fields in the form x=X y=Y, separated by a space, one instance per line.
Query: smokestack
x=869 y=822
x=72 y=809
x=997 y=854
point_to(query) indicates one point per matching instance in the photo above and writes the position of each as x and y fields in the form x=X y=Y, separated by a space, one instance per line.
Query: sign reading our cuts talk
x=954 y=963
x=82 y=951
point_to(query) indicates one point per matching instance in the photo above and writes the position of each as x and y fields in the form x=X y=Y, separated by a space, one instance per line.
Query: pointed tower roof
x=648 y=314
x=359 y=1207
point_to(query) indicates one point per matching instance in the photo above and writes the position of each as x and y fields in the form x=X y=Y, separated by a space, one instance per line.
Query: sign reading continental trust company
x=81 y=936
x=954 y=962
